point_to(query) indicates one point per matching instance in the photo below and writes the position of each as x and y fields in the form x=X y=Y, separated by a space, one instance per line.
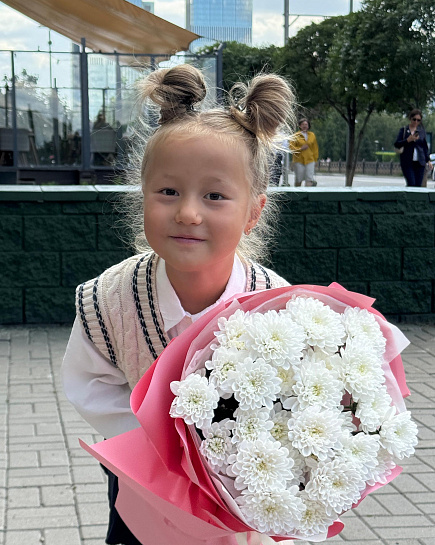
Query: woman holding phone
x=414 y=154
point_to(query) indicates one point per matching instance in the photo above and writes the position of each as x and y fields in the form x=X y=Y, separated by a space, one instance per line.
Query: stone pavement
x=54 y=493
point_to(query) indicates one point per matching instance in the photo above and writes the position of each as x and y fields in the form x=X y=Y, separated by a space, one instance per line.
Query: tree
x=378 y=59
x=241 y=62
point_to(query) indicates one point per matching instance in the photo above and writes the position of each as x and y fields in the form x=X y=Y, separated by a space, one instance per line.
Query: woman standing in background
x=414 y=154
x=305 y=154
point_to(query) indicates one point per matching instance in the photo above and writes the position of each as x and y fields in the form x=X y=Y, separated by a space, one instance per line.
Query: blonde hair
x=259 y=117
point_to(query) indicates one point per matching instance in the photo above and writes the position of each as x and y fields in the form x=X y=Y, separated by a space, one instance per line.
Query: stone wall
x=381 y=243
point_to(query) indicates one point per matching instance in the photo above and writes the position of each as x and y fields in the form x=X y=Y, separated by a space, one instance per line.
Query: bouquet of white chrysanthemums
x=296 y=412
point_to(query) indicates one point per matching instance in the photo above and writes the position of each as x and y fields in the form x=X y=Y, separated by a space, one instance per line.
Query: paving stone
x=397 y=505
x=407 y=483
x=400 y=532
x=57 y=495
x=402 y=521
x=356 y=529
x=62 y=536
x=39 y=476
x=96 y=531
x=94 y=513
x=20 y=537
x=42 y=517
x=372 y=506
x=428 y=479
x=87 y=474
x=23 y=459
x=54 y=458
x=24 y=497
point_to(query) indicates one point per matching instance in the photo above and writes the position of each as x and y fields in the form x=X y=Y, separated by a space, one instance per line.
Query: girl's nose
x=188 y=212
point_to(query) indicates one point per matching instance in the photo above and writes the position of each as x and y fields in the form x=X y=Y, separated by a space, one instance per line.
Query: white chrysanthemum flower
x=371 y=412
x=276 y=338
x=232 y=332
x=363 y=370
x=250 y=425
x=316 y=431
x=288 y=380
x=362 y=324
x=195 y=400
x=322 y=325
x=217 y=446
x=317 y=386
x=272 y=512
x=253 y=383
x=385 y=465
x=332 y=362
x=279 y=432
x=361 y=450
x=337 y=484
x=260 y=465
x=315 y=520
x=398 y=434
x=223 y=360
x=279 y=419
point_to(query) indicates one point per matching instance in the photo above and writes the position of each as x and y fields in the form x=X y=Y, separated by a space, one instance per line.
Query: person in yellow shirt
x=305 y=154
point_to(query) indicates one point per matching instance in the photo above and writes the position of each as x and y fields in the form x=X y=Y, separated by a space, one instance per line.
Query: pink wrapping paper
x=166 y=495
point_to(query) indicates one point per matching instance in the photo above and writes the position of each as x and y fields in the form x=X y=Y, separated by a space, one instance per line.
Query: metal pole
x=220 y=72
x=6 y=104
x=54 y=98
x=351 y=6
x=118 y=118
x=84 y=88
x=14 y=115
x=286 y=20
x=187 y=14
x=49 y=53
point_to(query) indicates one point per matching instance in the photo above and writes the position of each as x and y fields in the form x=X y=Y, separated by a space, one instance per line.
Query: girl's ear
x=256 y=209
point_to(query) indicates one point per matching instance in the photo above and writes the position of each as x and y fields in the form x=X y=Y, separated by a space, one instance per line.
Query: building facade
x=147 y=6
x=220 y=20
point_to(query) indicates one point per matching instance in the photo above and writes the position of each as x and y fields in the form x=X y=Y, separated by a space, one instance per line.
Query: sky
x=20 y=33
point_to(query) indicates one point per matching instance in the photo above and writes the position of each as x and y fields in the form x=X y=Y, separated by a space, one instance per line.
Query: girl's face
x=197 y=202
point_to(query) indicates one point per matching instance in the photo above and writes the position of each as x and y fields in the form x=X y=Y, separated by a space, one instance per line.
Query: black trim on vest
x=151 y=303
x=253 y=279
x=102 y=324
x=139 y=308
x=266 y=276
x=82 y=313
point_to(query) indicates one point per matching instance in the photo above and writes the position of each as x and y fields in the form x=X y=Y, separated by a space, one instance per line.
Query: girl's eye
x=168 y=191
x=214 y=196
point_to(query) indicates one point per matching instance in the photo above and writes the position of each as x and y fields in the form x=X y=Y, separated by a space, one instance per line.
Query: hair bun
x=175 y=90
x=262 y=106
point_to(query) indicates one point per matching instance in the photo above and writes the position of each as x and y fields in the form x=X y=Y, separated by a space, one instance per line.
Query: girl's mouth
x=185 y=239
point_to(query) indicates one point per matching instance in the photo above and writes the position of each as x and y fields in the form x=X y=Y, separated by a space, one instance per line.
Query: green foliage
x=380 y=134
x=380 y=59
x=241 y=62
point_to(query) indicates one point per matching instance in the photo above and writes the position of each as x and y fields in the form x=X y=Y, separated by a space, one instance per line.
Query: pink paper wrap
x=166 y=494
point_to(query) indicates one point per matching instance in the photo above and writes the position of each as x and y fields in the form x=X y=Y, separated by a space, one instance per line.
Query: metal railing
x=374 y=168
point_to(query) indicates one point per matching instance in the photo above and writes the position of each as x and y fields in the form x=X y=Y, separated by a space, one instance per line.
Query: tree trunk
x=350 y=152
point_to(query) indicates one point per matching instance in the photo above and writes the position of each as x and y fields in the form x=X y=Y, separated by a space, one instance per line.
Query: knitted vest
x=119 y=311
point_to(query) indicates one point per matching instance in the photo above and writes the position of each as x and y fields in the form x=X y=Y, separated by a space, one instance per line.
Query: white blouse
x=98 y=390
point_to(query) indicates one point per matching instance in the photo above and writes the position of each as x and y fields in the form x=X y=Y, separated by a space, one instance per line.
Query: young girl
x=204 y=176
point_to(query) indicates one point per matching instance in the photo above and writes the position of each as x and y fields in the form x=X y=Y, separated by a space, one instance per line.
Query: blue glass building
x=221 y=20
